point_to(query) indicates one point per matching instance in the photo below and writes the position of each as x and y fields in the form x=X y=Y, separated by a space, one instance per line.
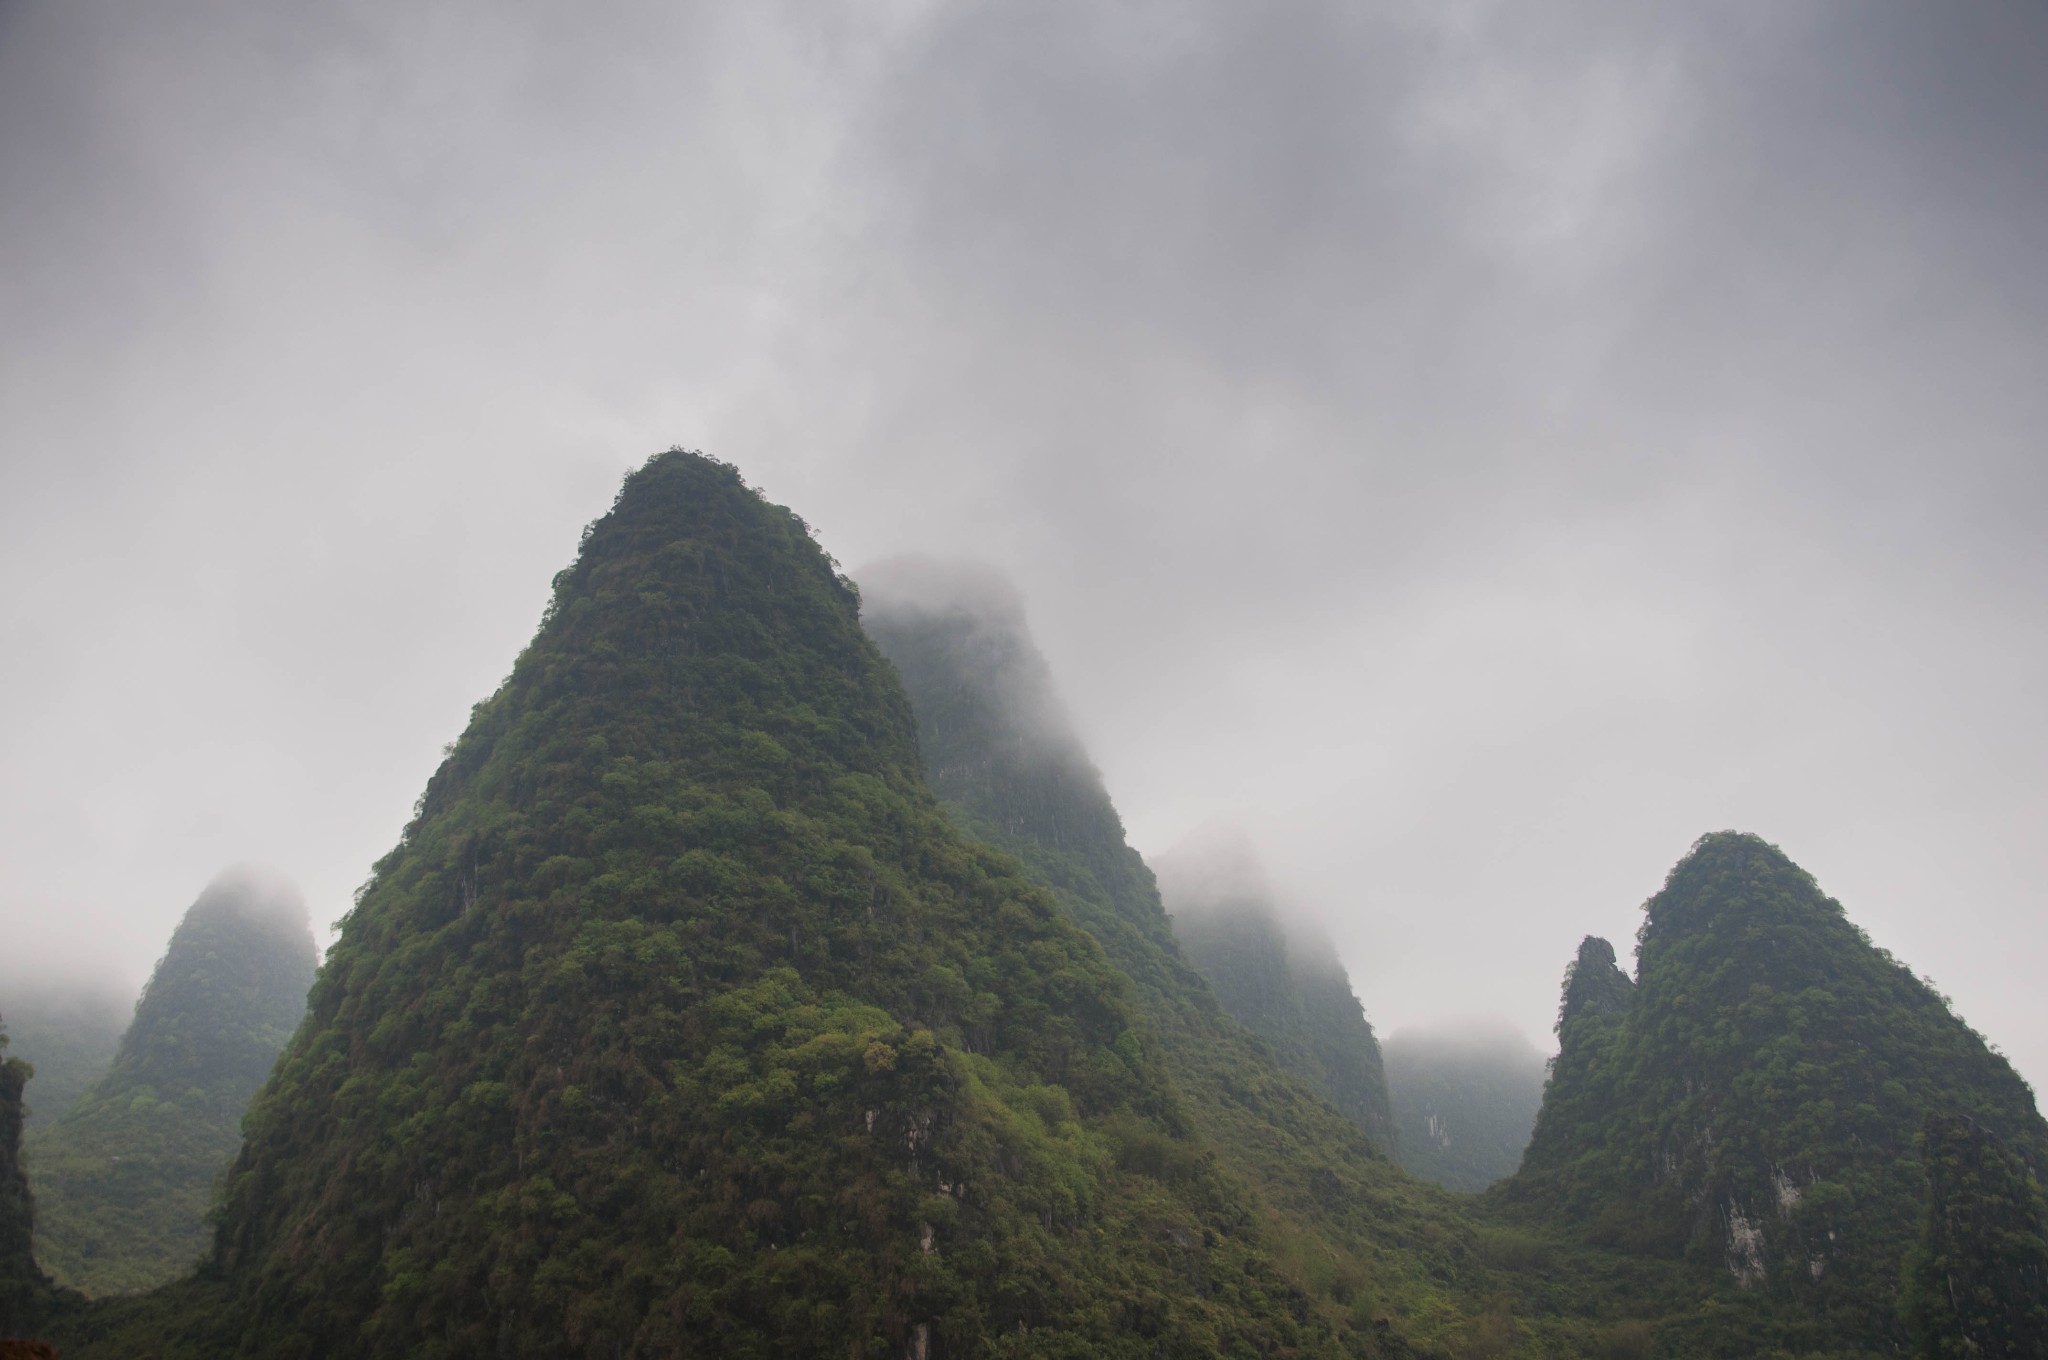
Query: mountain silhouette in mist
x=1465 y=1097
x=125 y=1177
x=1281 y=977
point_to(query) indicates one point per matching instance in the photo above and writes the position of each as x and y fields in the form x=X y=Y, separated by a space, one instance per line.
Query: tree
x=1977 y=1285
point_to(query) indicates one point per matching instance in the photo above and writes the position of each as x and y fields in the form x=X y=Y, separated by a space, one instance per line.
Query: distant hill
x=1465 y=1096
x=69 y=1030
x=1281 y=977
x=1010 y=768
x=124 y=1178
x=1751 y=1099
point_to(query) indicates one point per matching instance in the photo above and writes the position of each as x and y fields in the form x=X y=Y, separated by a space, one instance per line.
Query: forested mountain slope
x=1001 y=754
x=125 y=1177
x=21 y=1282
x=1280 y=977
x=1753 y=1098
x=1465 y=1098
x=1003 y=757
x=681 y=1022
x=67 y=1030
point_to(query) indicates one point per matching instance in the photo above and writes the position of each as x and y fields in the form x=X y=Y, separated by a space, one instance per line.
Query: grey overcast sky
x=1475 y=447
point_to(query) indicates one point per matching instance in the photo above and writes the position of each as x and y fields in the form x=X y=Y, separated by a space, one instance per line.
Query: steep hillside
x=1002 y=755
x=1465 y=1098
x=1753 y=1099
x=68 y=1030
x=124 y=1179
x=681 y=1022
x=1281 y=978
x=21 y=1283
x=1977 y=1283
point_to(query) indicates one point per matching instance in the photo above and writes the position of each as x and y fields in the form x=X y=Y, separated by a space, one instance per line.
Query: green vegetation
x=1977 y=1284
x=685 y=1019
x=125 y=1178
x=1361 y=1236
x=69 y=1032
x=1465 y=1098
x=1282 y=979
x=1752 y=1101
x=21 y=1283
x=681 y=1021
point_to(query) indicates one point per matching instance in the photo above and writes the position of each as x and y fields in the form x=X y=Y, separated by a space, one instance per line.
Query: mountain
x=125 y=1177
x=1465 y=1097
x=1006 y=761
x=1977 y=1283
x=69 y=1031
x=21 y=1282
x=1753 y=1097
x=1282 y=978
x=681 y=1022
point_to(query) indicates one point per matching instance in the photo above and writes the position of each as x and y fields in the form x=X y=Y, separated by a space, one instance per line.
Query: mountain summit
x=1753 y=1098
x=681 y=1022
x=125 y=1177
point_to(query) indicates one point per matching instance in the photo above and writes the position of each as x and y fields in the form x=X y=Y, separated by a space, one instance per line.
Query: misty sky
x=1476 y=448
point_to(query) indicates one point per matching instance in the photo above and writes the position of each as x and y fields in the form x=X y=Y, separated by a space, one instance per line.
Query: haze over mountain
x=1472 y=447
x=1464 y=1095
x=68 y=1029
x=1280 y=976
x=687 y=1016
x=125 y=1177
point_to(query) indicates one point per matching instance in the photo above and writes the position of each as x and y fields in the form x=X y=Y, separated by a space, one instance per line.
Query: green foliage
x=1977 y=1283
x=70 y=1032
x=1594 y=985
x=21 y=1283
x=682 y=1022
x=1414 y=1269
x=1283 y=981
x=1465 y=1103
x=1366 y=1241
x=125 y=1178
x=1753 y=1104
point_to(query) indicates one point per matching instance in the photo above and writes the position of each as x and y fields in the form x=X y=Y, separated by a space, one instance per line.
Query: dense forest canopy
x=68 y=1029
x=1976 y=1283
x=755 y=978
x=125 y=1177
x=1753 y=1099
x=1464 y=1096
x=1281 y=976
x=680 y=1020
x=20 y=1279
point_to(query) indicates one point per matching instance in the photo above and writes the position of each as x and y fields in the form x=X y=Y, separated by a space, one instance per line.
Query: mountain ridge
x=1753 y=1097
